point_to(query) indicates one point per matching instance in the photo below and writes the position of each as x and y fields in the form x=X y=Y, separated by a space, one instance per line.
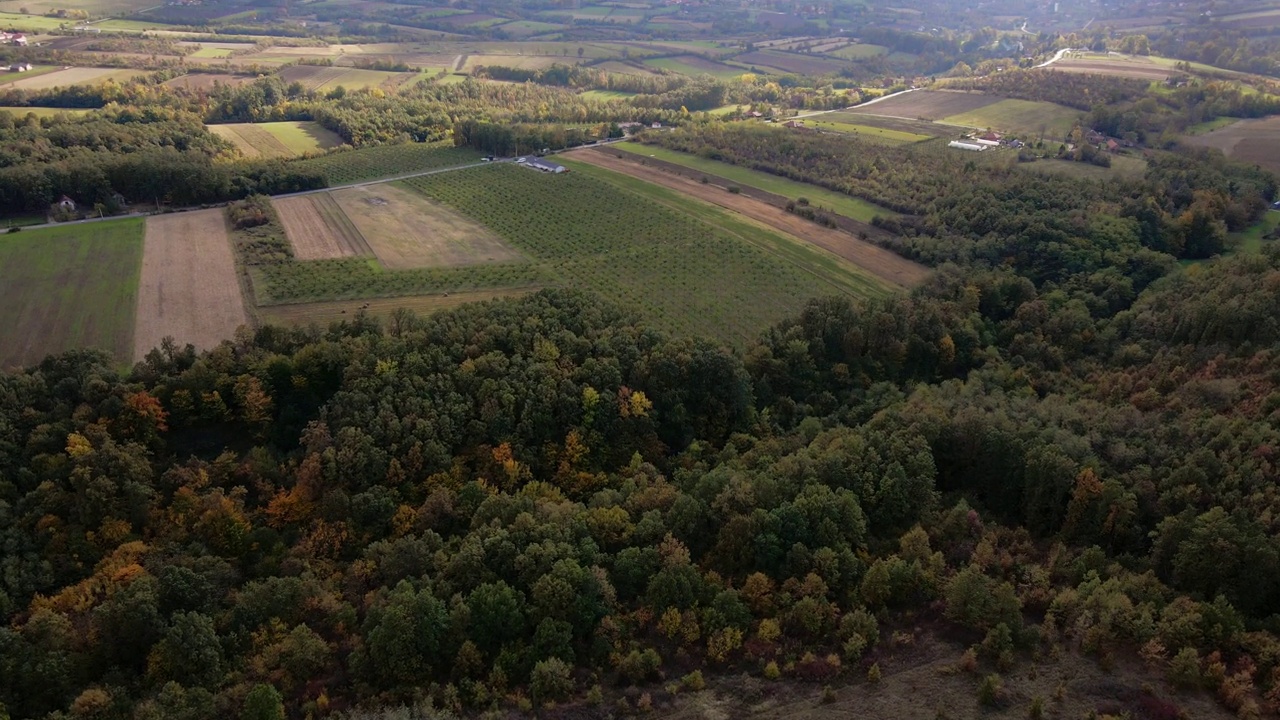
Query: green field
x=29 y=23
x=1023 y=117
x=302 y=137
x=1251 y=240
x=69 y=287
x=859 y=51
x=1121 y=166
x=606 y=94
x=386 y=161
x=212 y=52
x=42 y=112
x=839 y=203
x=894 y=137
x=35 y=71
x=691 y=65
x=1210 y=125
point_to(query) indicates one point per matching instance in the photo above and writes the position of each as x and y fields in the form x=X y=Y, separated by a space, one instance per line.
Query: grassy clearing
x=689 y=267
x=839 y=203
x=1252 y=240
x=1121 y=166
x=1023 y=117
x=1209 y=126
x=73 y=76
x=887 y=135
x=29 y=23
x=694 y=65
x=211 y=52
x=42 y=112
x=69 y=287
x=606 y=94
x=859 y=51
x=387 y=161
x=35 y=71
x=323 y=313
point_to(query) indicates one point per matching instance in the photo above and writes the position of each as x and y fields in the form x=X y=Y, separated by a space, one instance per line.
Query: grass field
x=73 y=76
x=870 y=132
x=31 y=23
x=387 y=161
x=409 y=231
x=694 y=65
x=792 y=62
x=859 y=51
x=277 y=139
x=211 y=52
x=1023 y=117
x=35 y=71
x=606 y=94
x=42 y=111
x=841 y=204
x=1210 y=125
x=323 y=79
x=1121 y=166
x=323 y=313
x=69 y=287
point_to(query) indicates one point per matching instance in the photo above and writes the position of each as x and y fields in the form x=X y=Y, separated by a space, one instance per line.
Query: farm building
x=66 y=203
x=13 y=38
x=538 y=163
x=966 y=146
x=986 y=143
x=20 y=67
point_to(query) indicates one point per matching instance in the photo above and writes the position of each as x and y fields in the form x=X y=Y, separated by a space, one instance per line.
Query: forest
x=529 y=502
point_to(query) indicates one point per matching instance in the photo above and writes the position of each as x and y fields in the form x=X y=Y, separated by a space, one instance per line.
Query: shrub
x=14 y=230
x=693 y=681
x=991 y=691
x=1184 y=669
x=551 y=680
x=734 y=189
x=771 y=671
x=873 y=675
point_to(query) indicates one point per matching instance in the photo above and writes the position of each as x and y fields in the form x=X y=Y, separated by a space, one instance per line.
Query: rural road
x=1056 y=57
x=801 y=116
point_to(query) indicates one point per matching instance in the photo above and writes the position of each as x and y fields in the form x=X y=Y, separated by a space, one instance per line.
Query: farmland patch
x=188 y=289
x=695 y=65
x=318 y=229
x=206 y=81
x=791 y=62
x=277 y=139
x=73 y=286
x=381 y=161
x=323 y=313
x=73 y=76
x=1025 y=117
x=1255 y=141
x=926 y=104
x=405 y=230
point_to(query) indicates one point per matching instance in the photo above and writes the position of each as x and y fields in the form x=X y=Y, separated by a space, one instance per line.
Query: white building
x=966 y=146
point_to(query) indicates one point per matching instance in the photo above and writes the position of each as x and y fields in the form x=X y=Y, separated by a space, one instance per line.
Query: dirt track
x=188 y=289
x=875 y=260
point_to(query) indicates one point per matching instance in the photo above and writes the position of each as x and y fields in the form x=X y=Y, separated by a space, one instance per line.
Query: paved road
x=1056 y=57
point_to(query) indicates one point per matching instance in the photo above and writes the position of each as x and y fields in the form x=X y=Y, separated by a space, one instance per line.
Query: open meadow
x=69 y=287
x=1254 y=141
x=406 y=230
x=43 y=112
x=324 y=79
x=277 y=139
x=348 y=166
x=1128 y=66
x=791 y=62
x=695 y=65
x=1024 y=117
x=188 y=289
x=206 y=81
x=72 y=76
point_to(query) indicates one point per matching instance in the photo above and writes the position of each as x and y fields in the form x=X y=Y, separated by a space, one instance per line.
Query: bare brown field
x=927 y=104
x=874 y=259
x=311 y=76
x=206 y=81
x=189 y=289
x=406 y=230
x=318 y=229
x=1118 y=68
x=323 y=313
x=1254 y=141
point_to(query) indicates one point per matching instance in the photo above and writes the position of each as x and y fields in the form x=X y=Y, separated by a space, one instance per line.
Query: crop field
x=322 y=79
x=627 y=68
x=406 y=230
x=277 y=139
x=1120 y=66
x=31 y=23
x=841 y=204
x=927 y=105
x=211 y=52
x=206 y=81
x=1019 y=116
x=1123 y=166
x=870 y=132
x=35 y=71
x=188 y=289
x=791 y=62
x=694 y=65
x=318 y=229
x=905 y=125
x=606 y=94
x=73 y=76
x=688 y=266
x=69 y=287
x=525 y=62
x=42 y=112
x=383 y=161
x=1255 y=141
x=526 y=28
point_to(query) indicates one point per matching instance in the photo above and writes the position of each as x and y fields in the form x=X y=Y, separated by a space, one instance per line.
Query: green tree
x=188 y=651
x=263 y=703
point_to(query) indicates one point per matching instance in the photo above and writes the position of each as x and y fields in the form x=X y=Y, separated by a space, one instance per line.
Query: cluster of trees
x=1047 y=227
x=525 y=501
x=508 y=140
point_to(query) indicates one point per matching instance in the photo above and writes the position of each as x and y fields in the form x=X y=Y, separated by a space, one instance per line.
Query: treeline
x=1233 y=49
x=520 y=139
x=1075 y=90
x=586 y=77
x=1047 y=227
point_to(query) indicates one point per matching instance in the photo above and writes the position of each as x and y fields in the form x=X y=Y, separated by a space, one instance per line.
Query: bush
x=991 y=691
x=771 y=671
x=1184 y=669
x=734 y=189
x=15 y=229
x=551 y=680
x=693 y=681
x=253 y=211
x=873 y=675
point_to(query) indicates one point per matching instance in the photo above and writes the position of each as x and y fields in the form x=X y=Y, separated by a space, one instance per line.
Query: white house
x=538 y=163
x=20 y=67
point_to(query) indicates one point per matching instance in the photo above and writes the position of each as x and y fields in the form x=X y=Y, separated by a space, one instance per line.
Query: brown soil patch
x=1252 y=141
x=189 y=289
x=768 y=208
x=928 y=104
x=1117 y=68
x=205 y=81
x=318 y=229
x=406 y=230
